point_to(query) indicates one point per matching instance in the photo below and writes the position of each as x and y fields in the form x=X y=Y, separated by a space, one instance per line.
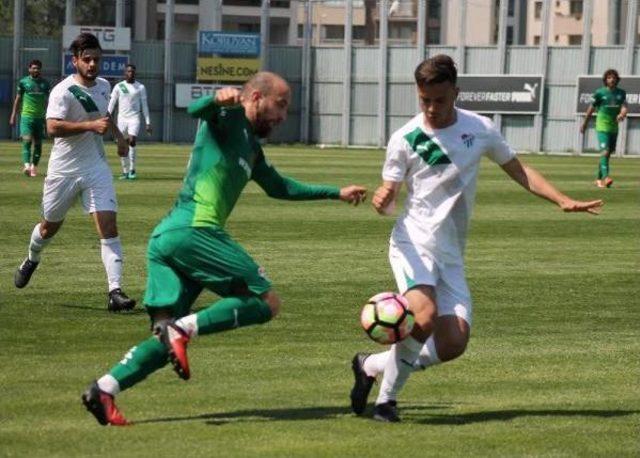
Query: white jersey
x=131 y=99
x=440 y=168
x=70 y=101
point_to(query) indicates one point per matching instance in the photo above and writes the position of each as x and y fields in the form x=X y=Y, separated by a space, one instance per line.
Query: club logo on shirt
x=468 y=139
x=429 y=150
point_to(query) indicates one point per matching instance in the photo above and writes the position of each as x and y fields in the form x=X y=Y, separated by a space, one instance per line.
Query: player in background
x=190 y=250
x=610 y=103
x=77 y=118
x=437 y=154
x=32 y=94
x=131 y=97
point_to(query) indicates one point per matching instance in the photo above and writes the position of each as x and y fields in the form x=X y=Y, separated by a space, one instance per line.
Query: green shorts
x=607 y=141
x=32 y=127
x=181 y=262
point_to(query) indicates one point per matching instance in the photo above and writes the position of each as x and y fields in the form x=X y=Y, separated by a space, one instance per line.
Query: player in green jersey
x=190 y=250
x=32 y=94
x=610 y=103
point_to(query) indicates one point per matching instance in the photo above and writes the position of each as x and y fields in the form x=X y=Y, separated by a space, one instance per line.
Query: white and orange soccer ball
x=386 y=318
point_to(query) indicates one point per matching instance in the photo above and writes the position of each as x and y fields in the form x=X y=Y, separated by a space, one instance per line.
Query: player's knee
x=132 y=142
x=49 y=229
x=453 y=348
x=273 y=301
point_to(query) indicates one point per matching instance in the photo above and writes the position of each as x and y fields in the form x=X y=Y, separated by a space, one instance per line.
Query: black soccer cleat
x=24 y=272
x=387 y=412
x=102 y=406
x=361 y=385
x=119 y=301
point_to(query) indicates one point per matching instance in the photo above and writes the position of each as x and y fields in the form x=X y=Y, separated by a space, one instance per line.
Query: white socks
x=189 y=324
x=111 y=251
x=109 y=385
x=398 y=363
x=132 y=158
x=124 y=162
x=36 y=244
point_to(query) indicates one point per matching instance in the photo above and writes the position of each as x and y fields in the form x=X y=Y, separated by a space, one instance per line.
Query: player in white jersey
x=77 y=119
x=437 y=154
x=131 y=97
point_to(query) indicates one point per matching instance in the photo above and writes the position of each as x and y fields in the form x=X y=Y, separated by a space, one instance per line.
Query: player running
x=190 y=250
x=77 y=119
x=32 y=94
x=437 y=154
x=131 y=97
x=610 y=103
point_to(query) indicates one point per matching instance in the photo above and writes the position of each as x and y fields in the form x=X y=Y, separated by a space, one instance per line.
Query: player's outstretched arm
x=533 y=181
x=353 y=194
x=384 y=199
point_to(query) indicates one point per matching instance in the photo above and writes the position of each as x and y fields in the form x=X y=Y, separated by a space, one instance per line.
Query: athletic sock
x=37 y=244
x=111 y=251
x=124 y=162
x=37 y=153
x=398 y=368
x=428 y=355
x=374 y=364
x=227 y=313
x=139 y=362
x=26 y=151
x=132 y=158
x=603 y=168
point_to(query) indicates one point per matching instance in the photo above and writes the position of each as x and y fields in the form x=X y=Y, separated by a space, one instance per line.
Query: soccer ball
x=386 y=318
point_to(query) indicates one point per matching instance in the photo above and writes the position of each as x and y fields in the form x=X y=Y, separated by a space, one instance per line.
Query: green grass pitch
x=552 y=368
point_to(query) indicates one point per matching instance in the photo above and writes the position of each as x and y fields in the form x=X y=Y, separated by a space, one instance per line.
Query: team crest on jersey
x=468 y=139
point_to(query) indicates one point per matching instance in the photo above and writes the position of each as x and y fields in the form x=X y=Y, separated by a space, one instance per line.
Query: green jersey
x=225 y=156
x=34 y=93
x=608 y=103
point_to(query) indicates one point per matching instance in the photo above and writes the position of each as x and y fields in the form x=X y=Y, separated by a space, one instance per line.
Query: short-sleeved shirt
x=34 y=93
x=70 y=101
x=131 y=99
x=440 y=169
x=608 y=103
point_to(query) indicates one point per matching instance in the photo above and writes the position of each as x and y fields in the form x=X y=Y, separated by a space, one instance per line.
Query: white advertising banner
x=187 y=93
x=111 y=38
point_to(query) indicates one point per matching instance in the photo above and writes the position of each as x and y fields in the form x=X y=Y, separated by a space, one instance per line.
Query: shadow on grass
x=508 y=415
x=102 y=310
x=411 y=414
x=290 y=414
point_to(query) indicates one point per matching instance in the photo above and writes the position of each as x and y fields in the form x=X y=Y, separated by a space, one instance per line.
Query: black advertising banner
x=587 y=85
x=504 y=94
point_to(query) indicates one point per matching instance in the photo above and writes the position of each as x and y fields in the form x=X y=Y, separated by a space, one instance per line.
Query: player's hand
x=620 y=117
x=12 y=121
x=100 y=126
x=148 y=129
x=123 y=146
x=583 y=128
x=353 y=194
x=228 y=96
x=593 y=206
x=382 y=198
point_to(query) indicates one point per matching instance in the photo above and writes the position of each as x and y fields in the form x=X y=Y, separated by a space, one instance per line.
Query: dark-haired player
x=437 y=154
x=610 y=103
x=78 y=169
x=32 y=94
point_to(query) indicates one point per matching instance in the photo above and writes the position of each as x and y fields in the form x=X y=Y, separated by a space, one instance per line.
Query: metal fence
x=343 y=108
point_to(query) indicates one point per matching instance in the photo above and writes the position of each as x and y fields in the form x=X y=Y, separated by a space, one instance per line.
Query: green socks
x=228 y=313
x=603 y=167
x=141 y=361
x=26 y=151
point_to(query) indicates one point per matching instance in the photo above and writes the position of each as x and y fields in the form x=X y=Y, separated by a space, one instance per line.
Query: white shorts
x=61 y=192
x=130 y=127
x=414 y=266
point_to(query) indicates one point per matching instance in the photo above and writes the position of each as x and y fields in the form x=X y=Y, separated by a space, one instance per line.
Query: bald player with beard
x=190 y=249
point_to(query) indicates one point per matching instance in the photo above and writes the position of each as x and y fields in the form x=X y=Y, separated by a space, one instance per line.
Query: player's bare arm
x=530 y=179
x=61 y=128
x=228 y=96
x=385 y=197
x=623 y=113
x=353 y=194
x=587 y=116
x=123 y=145
x=14 y=112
